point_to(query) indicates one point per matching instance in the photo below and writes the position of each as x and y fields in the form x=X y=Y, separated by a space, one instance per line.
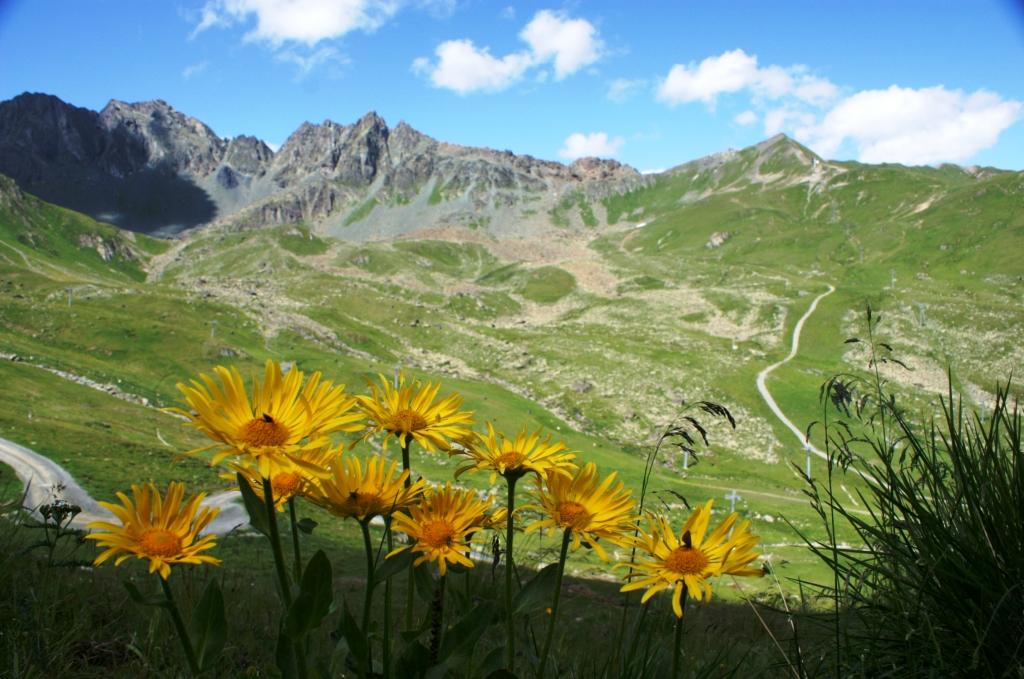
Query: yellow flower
x=158 y=529
x=271 y=430
x=441 y=526
x=406 y=413
x=361 y=492
x=692 y=558
x=287 y=484
x=589 y=509
x=512 y=458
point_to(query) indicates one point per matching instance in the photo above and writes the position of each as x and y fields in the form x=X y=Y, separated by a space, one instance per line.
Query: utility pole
x=686 y=460
x=398 y=370
x=807 y=449
x=213 y=329
x=69 y=296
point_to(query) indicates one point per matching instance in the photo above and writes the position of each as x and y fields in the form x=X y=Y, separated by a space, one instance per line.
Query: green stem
x=510 y=631
x=437 y=621
x=677 y=652
x=296 y=550
x=411 y=583
x=179 y=625
x=387 y=606
x=275 y=545
x=554 y=604
x=282 y=570
x=368 y=603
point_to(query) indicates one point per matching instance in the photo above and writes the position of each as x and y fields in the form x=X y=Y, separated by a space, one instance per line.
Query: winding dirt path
x=763 y=375
x=45 y=481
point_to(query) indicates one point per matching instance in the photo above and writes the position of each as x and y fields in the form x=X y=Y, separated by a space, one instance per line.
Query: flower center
x=686 y=561
x=285 y=484
x=363 y=504
x=263 y=431
x=572 y=515
x=160 y=542
x=437 y=534
x=406 y=421
x=511 y=459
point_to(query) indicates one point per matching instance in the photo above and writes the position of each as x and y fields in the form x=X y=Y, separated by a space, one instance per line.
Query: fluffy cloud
x=301 y=21
x=551 y=37
x=748 y=117
x=736 y=70
x=571 y=43
x=597 y=144
x=463 y=67
x=913 y=126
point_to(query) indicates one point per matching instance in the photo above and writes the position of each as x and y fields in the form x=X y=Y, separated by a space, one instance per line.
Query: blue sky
x=652 y=84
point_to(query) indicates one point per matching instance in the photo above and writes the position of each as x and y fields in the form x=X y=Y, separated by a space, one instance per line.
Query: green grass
x=301 y=241
x=547 y=284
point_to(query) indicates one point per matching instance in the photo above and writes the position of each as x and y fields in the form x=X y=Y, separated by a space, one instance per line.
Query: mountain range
x=149 y=168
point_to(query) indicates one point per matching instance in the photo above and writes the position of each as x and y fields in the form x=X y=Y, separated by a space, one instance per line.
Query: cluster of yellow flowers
x=278 y=438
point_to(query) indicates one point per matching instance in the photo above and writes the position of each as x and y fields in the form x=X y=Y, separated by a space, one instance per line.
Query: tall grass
x=934 y=584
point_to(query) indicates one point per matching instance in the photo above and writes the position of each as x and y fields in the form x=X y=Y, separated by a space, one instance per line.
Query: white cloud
x=748 y=117
x=913 y=126
x=301 y=21
x=596 y=144
x=572 y=43
x=623 y=89
x=193 y=70
x=463 y=67
x=778 y=119
x=736 y=70
x=552 y=38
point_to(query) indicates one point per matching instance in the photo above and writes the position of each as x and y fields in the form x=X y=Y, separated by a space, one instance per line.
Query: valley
x=597 y=319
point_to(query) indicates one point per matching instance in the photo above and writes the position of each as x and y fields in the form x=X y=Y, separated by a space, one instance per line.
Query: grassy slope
x=641 y=351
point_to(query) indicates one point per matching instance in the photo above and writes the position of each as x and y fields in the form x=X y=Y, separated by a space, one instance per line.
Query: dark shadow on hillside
x=151 y=200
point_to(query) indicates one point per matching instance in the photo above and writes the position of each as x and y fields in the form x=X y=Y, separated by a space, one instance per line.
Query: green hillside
x=692 y=287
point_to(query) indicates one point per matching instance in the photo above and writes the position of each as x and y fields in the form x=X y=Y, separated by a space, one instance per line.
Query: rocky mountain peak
x=171 y=138
x=149 y=167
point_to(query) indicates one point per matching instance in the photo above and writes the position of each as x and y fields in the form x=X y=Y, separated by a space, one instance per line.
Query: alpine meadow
x=371 y=403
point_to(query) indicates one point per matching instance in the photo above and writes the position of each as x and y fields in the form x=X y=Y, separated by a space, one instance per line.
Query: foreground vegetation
x=929 y=589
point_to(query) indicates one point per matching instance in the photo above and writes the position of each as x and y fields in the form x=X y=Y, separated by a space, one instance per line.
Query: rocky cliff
x=148 y=167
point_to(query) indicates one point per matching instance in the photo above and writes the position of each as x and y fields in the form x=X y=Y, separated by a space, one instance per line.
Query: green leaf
x=537 y=593
x=307 y=525
x=209 y=626
x=463 y=635
x=493 y=662
x=414 y=661
x=394 y=565
x=284 y=655
x=253 y=506
x=355 y=638
x=426 y=585
x=316 y=595
x=140 y=598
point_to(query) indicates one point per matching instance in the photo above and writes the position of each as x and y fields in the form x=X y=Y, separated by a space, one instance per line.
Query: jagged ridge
x=147 y=167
